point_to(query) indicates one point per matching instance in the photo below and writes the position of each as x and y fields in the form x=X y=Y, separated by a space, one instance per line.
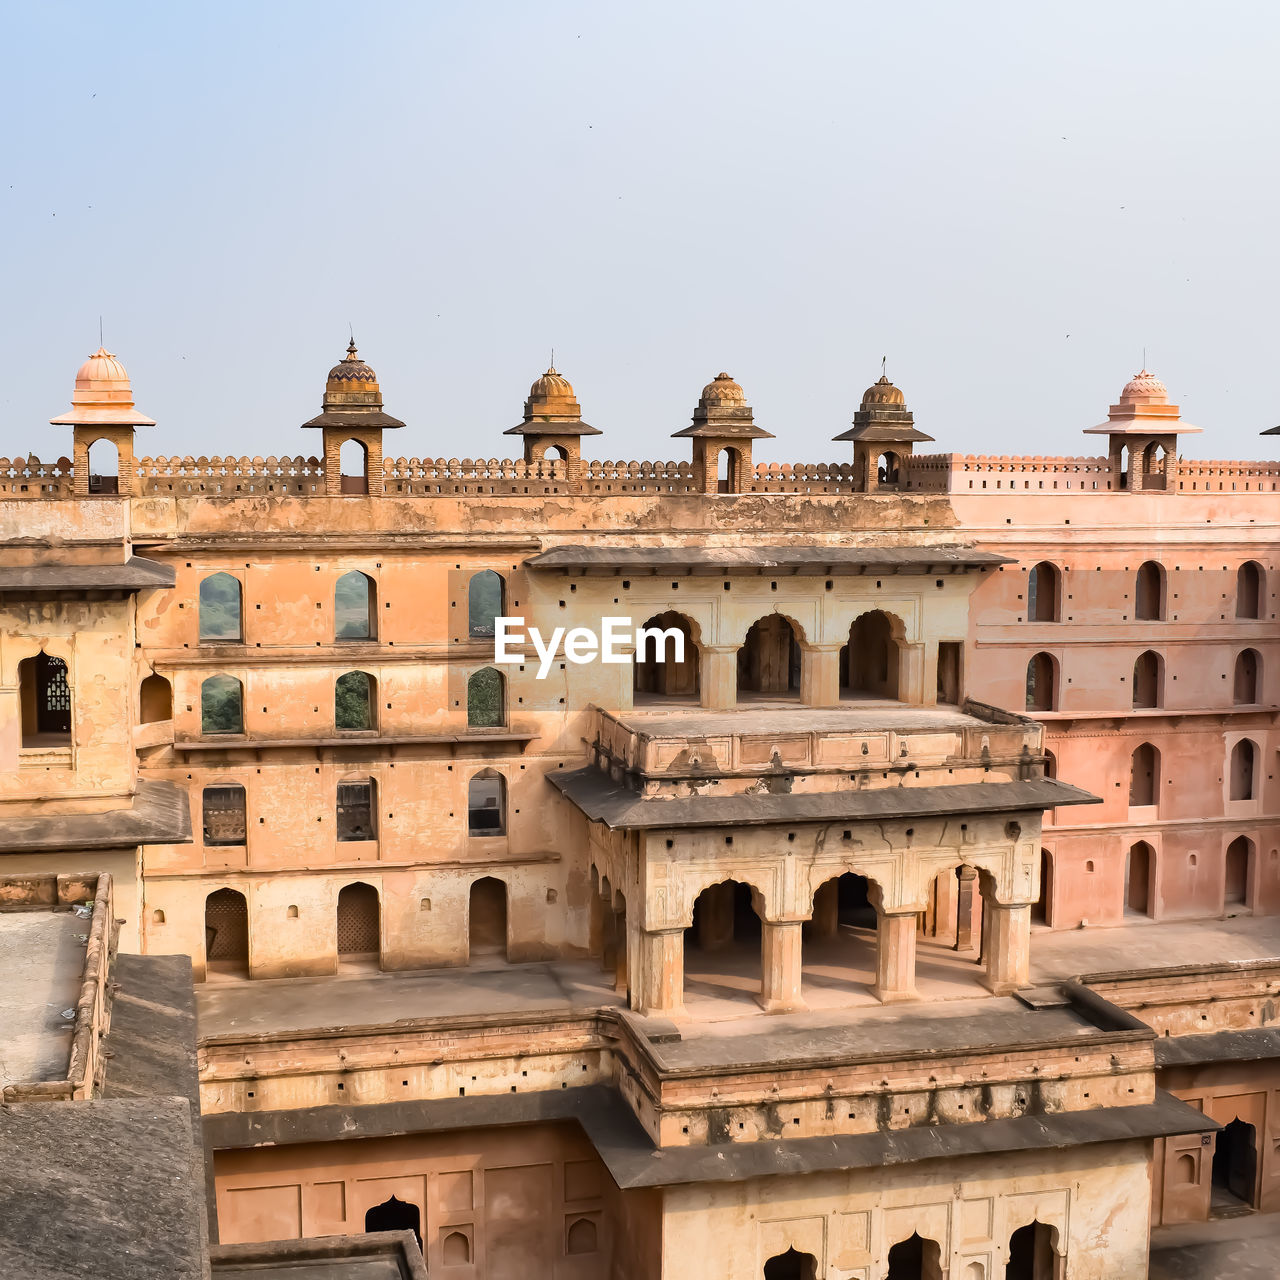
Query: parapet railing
x=1228 y=477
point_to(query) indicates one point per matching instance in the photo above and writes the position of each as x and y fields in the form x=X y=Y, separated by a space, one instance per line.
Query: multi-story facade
x=784 y=895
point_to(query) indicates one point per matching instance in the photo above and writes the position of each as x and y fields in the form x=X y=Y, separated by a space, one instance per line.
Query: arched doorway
x=840 y=938
x=395 y=1215
x=1243 y=761
x=656 y=674
x=1236 y=877
x=353 y=466
x=226 y=934
x=769 y=659
x=1144 y=777
x=791 y=1266
x=359 y=923
x=723 y=944
x=487 y=919
x=1235 y=1167
x=1042 y=593
x=869 y=662
x=1245 y=686
x=1040 y=909
x=1031 y=1252
x=915 y=1259
x=1137 y=879
x=729 y=471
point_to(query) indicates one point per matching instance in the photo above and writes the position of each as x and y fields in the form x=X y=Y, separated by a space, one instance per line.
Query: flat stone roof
x=365 y=1255
x=42 y=959
x=134 y=574
x=818 y=561
x=157 y=813
x=860 y=715
x=1245 y=1248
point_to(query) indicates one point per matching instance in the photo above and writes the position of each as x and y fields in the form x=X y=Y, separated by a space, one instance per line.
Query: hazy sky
x=1010 y=201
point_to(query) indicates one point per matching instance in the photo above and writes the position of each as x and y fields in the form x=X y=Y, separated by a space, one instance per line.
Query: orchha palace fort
x=917 y=923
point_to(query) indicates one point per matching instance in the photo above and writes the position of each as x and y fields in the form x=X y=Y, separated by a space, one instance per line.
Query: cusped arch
x=693 y=888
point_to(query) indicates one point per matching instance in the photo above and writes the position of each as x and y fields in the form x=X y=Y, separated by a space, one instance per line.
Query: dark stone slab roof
x=553 y=427
x=100 y=1189
x=159 y=814
x=354 y=418
x=633 y=1160
x=886 y=432
x=713 y=561
x=603 y=800
x=365 y=1255
x=1253 y=1044
x=134 y=574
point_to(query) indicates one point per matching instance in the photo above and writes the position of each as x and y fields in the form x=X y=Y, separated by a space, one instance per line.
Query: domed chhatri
x=103 y=395
x=552 y=409
x=352 y=397
x=351 y=368
x=724 y=390
x=1144 y=387
x=882 y=391
x=884 y=435
x=1143 y=409
x=723 y=410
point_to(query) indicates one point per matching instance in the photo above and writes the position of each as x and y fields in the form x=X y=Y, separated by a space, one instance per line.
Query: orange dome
x=551 y=384
x=883 y=392
x=1144 y=386
x=103 y=395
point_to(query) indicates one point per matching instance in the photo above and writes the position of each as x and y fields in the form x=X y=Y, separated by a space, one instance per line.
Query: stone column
x=660 y=989
x=718 y=676
x=912 y=686
x=780 y=961
x=895 y=956
x=820 y=675
x=622 y=967
x=1007 y=946
x=826 y=911
x=608 y=936
x=715 y=917
x=966 y=891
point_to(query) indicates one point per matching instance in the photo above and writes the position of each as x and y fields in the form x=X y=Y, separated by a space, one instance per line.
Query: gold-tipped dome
x=103 y=395
x=352 y=397
x=883 y=392
x=351 y=368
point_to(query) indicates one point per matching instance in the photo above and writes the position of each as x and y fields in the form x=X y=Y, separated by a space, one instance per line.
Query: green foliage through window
x=221 y=705
x=484 y=699
x=353 y=599
x=220 y=608
x=353 y=701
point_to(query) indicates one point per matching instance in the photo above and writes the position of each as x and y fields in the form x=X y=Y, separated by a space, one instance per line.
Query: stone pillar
x=608 y=936
x=622 y=966
x=715 y=917
x=912 y=686
x=826 y=910
x=780 y=961
x=895 y=956
x=718 y=676
x=1007 y=946
x=820 y=675
x=966 y=893
x=661 y=979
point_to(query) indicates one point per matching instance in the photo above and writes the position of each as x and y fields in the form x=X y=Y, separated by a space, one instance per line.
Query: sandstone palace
x=918 y=925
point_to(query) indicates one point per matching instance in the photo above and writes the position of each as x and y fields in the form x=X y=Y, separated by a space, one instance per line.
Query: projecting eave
x=157 y=814
x=716 y=561
x=553 y=427
x=134 y=574
x=1144 y=427
x=602 y=800
x=884 y=433
x=355 y=418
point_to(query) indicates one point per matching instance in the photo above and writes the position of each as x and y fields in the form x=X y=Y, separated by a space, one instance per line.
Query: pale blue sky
x=1008 y=200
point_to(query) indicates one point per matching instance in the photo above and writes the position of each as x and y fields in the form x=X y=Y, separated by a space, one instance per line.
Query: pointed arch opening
x=486 y=602
x=486 y=699
x=1247 y=680
x=221 y=705
x=359 y=923
x=1237 y=873
x=226 y=934
x=104 y=466
x=1148 y=681
x=1244 y=767
x=1044 y=593
x=1235 y=1168
x=915 y=1259
x=1032 y=1252
x=487 y=804
x=729 y=471
x=656 y=674
x=870 y=662
x=155 y=700
x=355 y=607
x=1149 y=594
x=769 y=660
x=353 y=466
x=221 y=609
x=723 y=944
x=1139 y=867
x=888 y=470
x=1153 y=466
x=355 y=698
x=791 y=1265
x=1144 y=776
x=44 y=692
x=487 y=919
x=1042 y=683
x=395 y=1214
x=1250 y=590
x=840 y=937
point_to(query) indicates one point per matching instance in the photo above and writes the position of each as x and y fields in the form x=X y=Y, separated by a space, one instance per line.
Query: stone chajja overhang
x=603 y=800
x=134 y=574
x=796 y=560
x=157 y=814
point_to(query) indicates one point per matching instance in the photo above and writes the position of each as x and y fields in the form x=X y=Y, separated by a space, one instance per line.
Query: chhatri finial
x=551 y=368
x=351 y=348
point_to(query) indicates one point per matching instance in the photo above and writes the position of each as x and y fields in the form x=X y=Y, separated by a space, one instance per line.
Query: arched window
x=1236 y=875
x=1153 y=463
x=729 y=473
x=1144 y=776
x=1250 y=594
x=353 y=466
x=1050 y=764
x=456 y=1249
x=1043 y=593
x=355 y=607
x=353 y=701
x=656 y=672
x=791 y=1265
x=888 y=470
x=1243 y=759
x=104 y=467
x=224 y=815
x=359 y=921
x=486 y=601
x=915 y=1259
x=769 y=659
x=1042 y=683
x=220 y=609
x=44 y=692
x=395 y=1215
x=487 y=804
x=357 y=810
x=1138 y=865
x=226 y=932
x=1031 y=1252
x=1149 y=593
x=1148 y=673
x=486 y=699
x=487 y=918
x=1245 y=688
x=581 y=1237
x=155 y=700
x=221 y=705
x=869 y=662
